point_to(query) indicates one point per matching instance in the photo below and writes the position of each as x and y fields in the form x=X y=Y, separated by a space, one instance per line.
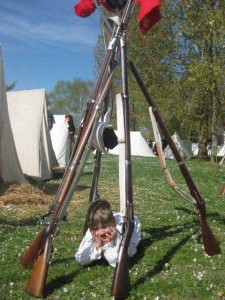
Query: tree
x=201 y=28
x=71 y=97
x=11 y=86
x=182 y=60
x=202 y=31
x=154 y=56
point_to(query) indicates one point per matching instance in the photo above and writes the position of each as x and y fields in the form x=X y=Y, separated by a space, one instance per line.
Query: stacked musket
x=39 y=252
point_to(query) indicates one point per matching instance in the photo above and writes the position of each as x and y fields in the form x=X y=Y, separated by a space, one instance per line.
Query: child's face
x=104 y=231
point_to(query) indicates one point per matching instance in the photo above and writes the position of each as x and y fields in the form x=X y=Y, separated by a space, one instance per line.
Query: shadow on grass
x=25 y=222
x=59 y=282
x=186 y=210
x=191 y=212
x=215 y=215
x=161 y=263
x=82 y=187
x=62 y=280
x=87 y=173
x=160 y=233
x=157 y=234
x=62 y=260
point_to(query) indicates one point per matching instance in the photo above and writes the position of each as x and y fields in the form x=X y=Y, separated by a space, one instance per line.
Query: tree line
x=182 y=60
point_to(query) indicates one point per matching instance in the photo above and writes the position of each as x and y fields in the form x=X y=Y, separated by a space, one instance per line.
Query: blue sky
x=43 y=41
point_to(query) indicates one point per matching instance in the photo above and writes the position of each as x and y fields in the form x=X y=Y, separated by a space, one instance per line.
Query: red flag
x=149 y=14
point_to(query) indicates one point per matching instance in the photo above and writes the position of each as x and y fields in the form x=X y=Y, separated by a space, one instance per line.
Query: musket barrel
x=121 y=285
x=41 y=242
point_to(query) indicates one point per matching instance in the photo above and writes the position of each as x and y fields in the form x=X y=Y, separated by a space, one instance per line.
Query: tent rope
x=162 y=160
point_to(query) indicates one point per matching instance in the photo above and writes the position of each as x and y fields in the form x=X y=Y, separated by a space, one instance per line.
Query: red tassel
x=84 y=8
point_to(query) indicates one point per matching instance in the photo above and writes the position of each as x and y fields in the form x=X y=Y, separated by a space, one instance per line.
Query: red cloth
x=149 y=14
x=84 y=8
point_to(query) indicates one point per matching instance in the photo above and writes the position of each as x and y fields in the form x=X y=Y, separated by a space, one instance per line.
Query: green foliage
x=170 y=262
x=202 y=39
x=11 y=86
x=181 y=61
x=71 y=97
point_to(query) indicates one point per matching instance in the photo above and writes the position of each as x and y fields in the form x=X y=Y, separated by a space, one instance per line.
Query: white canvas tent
x=60 y=141
x=221 y=151
x=28 y=115
x=10 y=169
x=185 y=153
x=194 y=148
x=139 y=146
x=188 y=146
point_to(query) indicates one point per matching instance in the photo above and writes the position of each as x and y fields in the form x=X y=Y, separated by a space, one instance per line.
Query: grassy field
x=170 y=263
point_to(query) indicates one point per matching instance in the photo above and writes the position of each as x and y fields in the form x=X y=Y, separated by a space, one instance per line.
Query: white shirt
x=88 y=253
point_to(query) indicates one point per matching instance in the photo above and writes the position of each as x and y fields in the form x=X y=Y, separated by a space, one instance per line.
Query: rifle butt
x=222 y=191
x=211 y=245
x=121 y=285
x=37 y=280
x=34 y=250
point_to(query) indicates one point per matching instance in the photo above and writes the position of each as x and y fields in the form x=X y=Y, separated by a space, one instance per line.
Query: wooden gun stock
x=38 y=250
x=121 y=285
x=222 y=191
x=36 y=283
x=210 y=243
x=34 y=250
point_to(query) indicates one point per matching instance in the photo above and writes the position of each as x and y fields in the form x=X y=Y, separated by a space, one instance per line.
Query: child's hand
x=108 y=234
x=103 y=236
x=98 y=240
x=111 y=233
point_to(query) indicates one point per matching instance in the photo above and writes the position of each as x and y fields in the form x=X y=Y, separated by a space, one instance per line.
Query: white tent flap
x=139 y=146
x=60 y=140
x=185 y=153
x=10 y=169
x=28 y=115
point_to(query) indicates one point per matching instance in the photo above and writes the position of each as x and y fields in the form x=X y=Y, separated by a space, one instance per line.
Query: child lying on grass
x=103 y=234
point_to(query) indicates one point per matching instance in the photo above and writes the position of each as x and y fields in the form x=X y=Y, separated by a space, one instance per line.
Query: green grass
x=170 y=263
